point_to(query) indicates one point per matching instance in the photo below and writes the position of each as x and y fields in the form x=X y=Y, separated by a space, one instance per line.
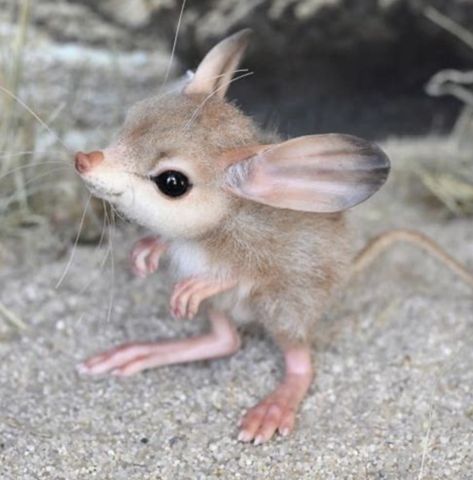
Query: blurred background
x=393 y=397
x=360 y=67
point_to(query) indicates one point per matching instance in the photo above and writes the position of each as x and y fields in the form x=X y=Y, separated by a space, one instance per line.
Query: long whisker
x=118 y=214
x=104 y=224
x=211 y=94
x=112 y=271
x=35 y=115
x=74 y=248
x=99 y=245
x=57 y=111
x=98 y=272
x=174 y=44
x=17 y=154
x=19 y=196
x=45 y=174
x=22 y=167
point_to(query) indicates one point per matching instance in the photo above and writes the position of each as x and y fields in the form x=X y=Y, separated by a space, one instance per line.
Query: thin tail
x=382 y=242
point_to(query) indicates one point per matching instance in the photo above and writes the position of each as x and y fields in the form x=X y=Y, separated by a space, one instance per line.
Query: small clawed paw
x=187 y=297
x=144 y=257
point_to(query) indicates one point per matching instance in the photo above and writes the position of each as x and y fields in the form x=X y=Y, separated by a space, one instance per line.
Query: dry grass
x=15 y=133
x=432 y=172
x=454 y=189
x=28 y=180
x=450 y=179
x=31 y=182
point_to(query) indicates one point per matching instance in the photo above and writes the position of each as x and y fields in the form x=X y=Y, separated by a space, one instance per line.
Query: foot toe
x=113 y=359
x=269 y=424
x=251 y=423
x=286 y=424
x=261 y=422
x=130 y=368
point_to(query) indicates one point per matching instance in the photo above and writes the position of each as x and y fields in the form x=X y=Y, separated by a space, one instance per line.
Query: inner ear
x=315 y=173
x=214 y=74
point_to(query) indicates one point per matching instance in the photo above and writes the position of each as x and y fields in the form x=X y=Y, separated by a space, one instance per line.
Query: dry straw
x=451 y=180
x=25 y=177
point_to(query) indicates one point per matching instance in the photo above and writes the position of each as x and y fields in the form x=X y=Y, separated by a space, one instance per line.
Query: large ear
x=316 y=173
x=217 y=68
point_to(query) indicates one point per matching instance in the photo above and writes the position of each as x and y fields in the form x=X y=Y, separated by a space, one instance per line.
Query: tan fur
x=293 y=261
x=288 y=263
x=246 y=226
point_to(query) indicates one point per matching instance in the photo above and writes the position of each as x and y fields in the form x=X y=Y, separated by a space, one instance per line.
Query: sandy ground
x=393 y=398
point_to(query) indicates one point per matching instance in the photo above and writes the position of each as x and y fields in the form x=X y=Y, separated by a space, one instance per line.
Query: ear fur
x=314 y=173
x=216 y=70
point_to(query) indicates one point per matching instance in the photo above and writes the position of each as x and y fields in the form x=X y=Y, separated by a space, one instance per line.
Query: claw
x=277 y=412
x=191 y=292
x=144 y=256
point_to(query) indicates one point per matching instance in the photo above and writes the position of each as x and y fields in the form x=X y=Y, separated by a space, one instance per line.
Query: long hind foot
x=277 y=412
x=131 y=358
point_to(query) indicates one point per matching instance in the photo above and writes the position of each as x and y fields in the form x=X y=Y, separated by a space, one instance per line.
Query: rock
x=284 y=29
x=320 y=65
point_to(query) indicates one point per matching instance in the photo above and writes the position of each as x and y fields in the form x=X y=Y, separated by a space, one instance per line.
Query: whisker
x=41 y=175
x=112 y=271
x=17 y=154
x=118 y=214
x=19 y=196
x=104 y=224
x=168 y=69
x=99 y=245
x=22 y=167
x=98 y=272
x=35 y=115
x=57 y=111
x=74 y=248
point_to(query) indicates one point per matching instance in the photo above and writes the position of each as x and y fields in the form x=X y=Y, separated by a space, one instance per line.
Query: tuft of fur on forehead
x=195 y=126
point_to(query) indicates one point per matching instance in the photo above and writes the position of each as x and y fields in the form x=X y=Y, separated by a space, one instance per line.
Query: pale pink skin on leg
x=131 y=358
x=145 y=255
x=277 y=411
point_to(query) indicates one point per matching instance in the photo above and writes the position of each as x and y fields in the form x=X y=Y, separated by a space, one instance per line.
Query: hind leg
x=131 y=358
x=278 y=410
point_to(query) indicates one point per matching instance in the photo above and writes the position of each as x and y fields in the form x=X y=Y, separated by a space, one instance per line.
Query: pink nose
x=86 y=161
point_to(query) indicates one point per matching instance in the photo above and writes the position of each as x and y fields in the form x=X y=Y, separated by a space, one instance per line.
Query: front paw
x=186 y=298
x=189 y=294
x=144 y=257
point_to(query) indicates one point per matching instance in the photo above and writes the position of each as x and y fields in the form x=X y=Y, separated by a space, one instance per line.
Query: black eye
x=172 y=183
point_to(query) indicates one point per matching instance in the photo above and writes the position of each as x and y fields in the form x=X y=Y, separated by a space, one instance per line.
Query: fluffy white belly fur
x=189 y=260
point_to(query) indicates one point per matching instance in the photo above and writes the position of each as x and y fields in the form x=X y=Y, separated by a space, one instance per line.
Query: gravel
x=393 y=396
